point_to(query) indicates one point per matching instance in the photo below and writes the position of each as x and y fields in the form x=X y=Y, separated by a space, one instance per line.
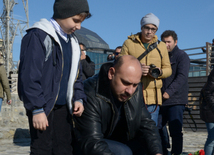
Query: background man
x=50 y=82
x=4 y=86
x=115 y=120
x=175 y=92
x=115 y=55
x=88 y=66
x=117 y=51
x=136 y=45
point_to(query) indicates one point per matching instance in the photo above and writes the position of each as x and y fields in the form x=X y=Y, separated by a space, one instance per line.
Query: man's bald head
x=127 y=61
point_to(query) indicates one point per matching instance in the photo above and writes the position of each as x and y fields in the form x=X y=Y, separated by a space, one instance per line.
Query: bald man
x=115 y=120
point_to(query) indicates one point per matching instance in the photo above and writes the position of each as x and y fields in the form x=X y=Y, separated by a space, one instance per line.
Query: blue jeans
x=133 y=147
x=154 y=114
x=0 y=103
x=209 y=145
x=118 y=148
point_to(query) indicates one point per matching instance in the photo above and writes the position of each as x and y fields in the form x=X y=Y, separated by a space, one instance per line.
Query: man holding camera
x=175 y=93
x=156 y=60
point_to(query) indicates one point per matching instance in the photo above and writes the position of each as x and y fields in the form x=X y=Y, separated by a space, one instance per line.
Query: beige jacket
x=4 y=84
x=134 y=46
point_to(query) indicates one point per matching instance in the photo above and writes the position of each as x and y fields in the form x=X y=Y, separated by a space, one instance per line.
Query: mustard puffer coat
x=134 y=46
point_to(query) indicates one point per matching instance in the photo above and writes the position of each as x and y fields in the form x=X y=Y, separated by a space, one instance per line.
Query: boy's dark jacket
x=177 y=84
x=41 y=68
x=100 y=116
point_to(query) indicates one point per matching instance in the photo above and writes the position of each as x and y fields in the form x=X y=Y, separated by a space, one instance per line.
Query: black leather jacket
x=99 y=118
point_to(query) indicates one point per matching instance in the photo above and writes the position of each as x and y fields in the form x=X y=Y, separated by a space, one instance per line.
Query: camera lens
x=155 y=72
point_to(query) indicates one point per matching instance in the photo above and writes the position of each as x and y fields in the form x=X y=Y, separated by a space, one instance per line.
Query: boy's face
x=71 y=24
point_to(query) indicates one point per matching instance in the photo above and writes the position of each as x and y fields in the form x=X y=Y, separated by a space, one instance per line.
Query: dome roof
x=90 y=39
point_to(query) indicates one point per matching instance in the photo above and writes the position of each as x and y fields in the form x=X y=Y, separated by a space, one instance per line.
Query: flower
x=200 y=152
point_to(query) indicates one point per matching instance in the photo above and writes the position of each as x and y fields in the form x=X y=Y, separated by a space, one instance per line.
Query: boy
x=50 y=82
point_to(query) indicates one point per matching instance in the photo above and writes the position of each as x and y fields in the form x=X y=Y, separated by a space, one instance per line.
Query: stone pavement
x=193 y=141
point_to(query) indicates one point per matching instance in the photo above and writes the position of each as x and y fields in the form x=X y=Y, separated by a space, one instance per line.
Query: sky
x=115 y=20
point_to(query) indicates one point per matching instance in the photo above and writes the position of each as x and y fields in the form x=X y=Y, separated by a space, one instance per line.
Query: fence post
x=208 y=58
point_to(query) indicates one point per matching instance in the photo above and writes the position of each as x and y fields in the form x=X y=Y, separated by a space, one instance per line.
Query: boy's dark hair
x=168 y=33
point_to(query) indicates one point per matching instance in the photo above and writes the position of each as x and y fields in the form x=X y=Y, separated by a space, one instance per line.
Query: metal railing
x=200 y=63
x=201 y=60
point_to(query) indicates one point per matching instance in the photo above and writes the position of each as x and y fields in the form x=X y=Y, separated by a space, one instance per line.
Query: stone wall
x=13 y=120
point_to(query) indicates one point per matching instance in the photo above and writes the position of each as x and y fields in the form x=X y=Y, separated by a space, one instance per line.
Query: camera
x=155 y=72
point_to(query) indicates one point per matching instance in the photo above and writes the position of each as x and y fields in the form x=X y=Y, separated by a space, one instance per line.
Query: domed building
x=97 y=49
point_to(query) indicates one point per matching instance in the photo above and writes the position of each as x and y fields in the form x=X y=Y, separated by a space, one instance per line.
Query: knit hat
x=68 y=8
x=150 y=19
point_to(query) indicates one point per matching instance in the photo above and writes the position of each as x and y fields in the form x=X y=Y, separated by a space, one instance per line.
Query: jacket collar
x=136 y=37
x=103 y=83
x=173 y=51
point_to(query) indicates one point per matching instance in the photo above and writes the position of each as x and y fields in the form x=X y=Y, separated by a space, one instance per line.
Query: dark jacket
x=177 y=84
x=40 y=76
x=208 y=91
x=88 y=68
x=100 y=117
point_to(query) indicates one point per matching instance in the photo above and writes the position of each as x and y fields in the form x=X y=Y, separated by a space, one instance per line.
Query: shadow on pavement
x=21 y=137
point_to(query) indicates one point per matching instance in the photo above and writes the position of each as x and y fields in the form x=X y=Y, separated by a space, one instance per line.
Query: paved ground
x=193 y=141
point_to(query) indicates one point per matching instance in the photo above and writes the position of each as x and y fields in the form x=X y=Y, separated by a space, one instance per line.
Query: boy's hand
x=78 y=108
x=40 y=121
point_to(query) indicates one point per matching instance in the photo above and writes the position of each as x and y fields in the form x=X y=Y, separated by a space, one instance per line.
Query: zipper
x=59 y=84
x=72 y=119
x=114 y=116
x=112 y=121
x=126 y=115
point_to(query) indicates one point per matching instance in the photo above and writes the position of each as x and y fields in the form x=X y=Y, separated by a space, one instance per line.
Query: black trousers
x=56 y=139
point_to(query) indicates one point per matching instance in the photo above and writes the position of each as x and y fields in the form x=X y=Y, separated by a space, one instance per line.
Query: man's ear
x=176 y=42
x=111 y=73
